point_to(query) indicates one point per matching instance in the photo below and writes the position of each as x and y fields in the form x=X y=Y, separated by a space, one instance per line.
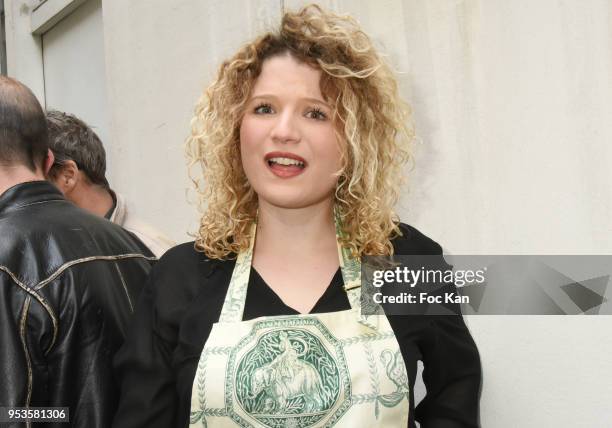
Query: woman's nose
x=286 y=128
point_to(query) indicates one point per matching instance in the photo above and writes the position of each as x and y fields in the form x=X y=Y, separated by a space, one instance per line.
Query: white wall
x=75 y=73
x=159 y=57
x=23 y=50
x=65 y=65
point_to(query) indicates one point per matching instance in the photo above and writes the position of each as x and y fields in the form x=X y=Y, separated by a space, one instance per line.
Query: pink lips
x=285 y=171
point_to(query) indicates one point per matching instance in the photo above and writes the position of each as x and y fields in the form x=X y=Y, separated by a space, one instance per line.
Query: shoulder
x=184 y=281
x=181 y=260
x=184 y=256
x=184 y=268
x=414 y=242
x=45 y=238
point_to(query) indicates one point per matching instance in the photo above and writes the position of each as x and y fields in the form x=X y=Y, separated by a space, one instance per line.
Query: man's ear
x=49 y=159
x=67 y=177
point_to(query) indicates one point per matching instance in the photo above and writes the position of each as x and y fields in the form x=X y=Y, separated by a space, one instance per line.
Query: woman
x=301 y=138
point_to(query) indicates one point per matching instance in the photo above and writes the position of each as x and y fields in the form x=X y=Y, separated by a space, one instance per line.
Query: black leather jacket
x=68 y=283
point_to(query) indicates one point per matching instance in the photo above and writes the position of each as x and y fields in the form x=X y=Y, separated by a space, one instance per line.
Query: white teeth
x=286 y=161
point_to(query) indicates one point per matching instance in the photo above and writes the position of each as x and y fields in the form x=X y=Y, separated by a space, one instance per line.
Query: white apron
x=313 y=370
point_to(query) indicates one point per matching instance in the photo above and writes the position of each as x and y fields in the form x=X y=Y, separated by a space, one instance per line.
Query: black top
x=184 y=297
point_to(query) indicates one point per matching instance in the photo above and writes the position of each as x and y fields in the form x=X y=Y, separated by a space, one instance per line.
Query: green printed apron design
x=316 y=370
x=293 y=374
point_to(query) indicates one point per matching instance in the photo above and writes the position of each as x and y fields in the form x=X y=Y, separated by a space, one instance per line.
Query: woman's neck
x=290 y=233
x=296 y=252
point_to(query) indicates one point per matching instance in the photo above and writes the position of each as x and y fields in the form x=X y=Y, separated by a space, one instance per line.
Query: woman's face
x=289 y=148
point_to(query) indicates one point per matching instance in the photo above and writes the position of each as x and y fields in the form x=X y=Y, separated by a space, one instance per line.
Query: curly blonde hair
x=372 y=121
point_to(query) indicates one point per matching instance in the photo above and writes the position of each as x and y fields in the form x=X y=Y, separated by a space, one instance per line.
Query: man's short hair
x=23 y=129
x=72 y=139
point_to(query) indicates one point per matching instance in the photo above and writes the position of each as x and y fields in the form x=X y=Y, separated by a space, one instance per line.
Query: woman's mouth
x=285 y=165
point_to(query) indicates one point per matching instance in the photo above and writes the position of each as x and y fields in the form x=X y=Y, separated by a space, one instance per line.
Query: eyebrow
x=274 y=97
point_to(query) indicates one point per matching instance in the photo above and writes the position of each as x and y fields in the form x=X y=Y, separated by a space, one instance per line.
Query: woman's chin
x=294 y=201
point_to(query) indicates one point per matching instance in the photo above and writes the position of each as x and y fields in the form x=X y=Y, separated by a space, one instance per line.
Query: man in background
x=68 y=279
x=79 y=171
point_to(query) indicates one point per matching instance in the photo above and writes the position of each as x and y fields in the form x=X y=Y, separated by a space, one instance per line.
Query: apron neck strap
x=233 y=306
x=350 y=266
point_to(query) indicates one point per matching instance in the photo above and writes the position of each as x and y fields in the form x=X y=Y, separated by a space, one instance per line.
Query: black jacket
x=68 y=283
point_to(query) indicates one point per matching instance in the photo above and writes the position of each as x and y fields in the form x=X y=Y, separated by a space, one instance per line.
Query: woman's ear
x=67 y=177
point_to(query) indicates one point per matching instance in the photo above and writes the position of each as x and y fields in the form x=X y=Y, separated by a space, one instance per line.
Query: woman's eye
x=317 y=114
x=263 y=109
